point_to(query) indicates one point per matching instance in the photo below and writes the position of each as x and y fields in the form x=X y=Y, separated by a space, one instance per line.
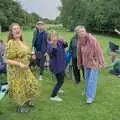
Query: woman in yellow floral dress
x=23 y=86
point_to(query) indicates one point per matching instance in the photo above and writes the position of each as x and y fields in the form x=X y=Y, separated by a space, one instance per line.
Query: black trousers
x=76 y=71
x=40 y=61
x=115 y=71
x=60 y=81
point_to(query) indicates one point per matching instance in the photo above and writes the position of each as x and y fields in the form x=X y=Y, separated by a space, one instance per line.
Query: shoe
x=118 y=76
x=22 y=109
x=61 y=91
x=4 y=88
x=56 y=98
x=89 y=101
x=41 y=77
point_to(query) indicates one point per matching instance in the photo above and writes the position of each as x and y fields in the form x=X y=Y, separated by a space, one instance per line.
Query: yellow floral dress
x=22 y=84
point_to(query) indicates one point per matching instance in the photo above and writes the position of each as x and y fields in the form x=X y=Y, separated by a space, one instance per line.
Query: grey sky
x=45 y=8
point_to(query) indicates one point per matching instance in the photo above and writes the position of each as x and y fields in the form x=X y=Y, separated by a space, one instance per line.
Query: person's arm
x=70 y=45
x=118 y=32
x=78 y=55
x=3 y=49
x=34 y=39
x=44 y=43
x=13 y=62
x=51 y=50
x=111 y=65
x=99 y=58
x=65 y=44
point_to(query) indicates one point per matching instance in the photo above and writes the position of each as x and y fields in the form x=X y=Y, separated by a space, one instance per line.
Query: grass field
x=73 y=107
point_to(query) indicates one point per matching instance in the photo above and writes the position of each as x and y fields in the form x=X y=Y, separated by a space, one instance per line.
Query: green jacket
x=73 y=47
x=114 y=65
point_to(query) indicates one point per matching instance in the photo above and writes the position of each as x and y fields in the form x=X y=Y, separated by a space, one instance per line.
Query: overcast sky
x=45 y=8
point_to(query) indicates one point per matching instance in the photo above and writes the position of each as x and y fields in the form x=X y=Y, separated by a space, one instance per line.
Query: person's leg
x=37 y=62
x=42 y=62
x=112 y=71
x=60 y=81
x=76 y=71
x=92 y=81
x=82 y=68
x=117 y=71
x=86 y=77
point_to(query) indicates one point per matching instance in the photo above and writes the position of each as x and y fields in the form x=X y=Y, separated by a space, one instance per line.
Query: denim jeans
x=91 y=75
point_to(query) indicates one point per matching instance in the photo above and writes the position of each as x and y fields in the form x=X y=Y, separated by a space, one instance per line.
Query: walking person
x=73 y=51
x=23 y=87
x=39 y=45
x=92 y=60
x=56 y=51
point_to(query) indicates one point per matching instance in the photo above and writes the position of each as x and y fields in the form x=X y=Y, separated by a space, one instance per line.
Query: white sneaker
x=4 y=87
x=41 y=77
x=61 y=91
x=56 y=98
x=89 y=101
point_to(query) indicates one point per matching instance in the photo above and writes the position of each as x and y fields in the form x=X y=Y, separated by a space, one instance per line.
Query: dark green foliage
x=96 y=15
x=12 y=11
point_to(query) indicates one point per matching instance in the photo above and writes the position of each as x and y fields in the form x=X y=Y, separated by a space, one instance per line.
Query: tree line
x=95 y=15
x=12 y=11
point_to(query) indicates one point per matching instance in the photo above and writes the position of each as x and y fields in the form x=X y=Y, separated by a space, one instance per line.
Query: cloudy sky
x=45 y=8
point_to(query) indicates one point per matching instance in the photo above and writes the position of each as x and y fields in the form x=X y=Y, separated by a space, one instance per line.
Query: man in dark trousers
x=39 y=45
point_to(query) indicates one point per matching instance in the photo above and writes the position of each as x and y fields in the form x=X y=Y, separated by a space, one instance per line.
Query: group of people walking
x=85 y=50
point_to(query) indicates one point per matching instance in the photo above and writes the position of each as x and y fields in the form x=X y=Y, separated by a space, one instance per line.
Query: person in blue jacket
x=57 y=62
x=39 y=45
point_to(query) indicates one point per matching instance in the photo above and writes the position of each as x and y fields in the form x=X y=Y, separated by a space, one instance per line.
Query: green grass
x=106 y=106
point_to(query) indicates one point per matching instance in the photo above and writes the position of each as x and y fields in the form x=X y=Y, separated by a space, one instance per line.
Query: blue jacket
x=57 y=57
x=40 y=41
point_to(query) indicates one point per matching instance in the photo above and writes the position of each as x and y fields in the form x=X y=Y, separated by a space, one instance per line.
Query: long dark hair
x=10 y=35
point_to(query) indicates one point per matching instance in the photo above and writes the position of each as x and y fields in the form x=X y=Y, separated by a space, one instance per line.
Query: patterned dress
x=22 y=84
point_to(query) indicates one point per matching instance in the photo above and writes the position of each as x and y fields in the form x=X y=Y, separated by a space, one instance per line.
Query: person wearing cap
x=39 y=45
x=73 y=51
